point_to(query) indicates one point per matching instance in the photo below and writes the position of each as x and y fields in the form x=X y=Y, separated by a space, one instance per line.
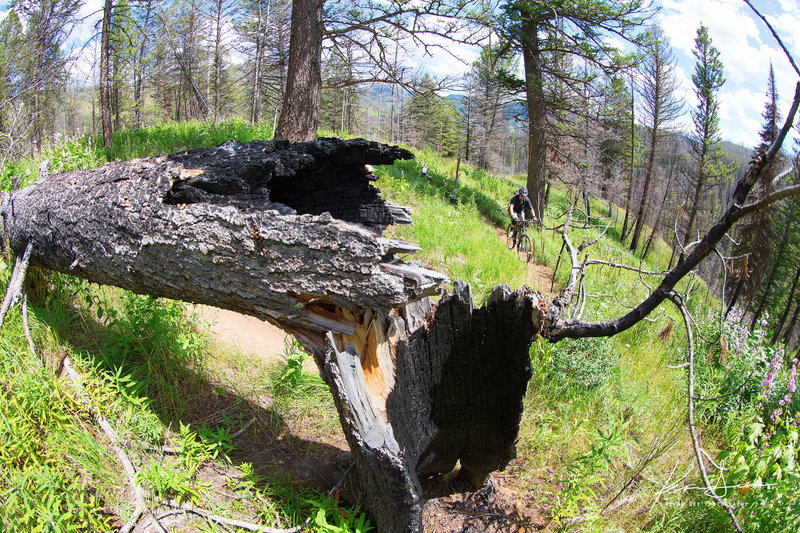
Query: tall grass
x=177 y=136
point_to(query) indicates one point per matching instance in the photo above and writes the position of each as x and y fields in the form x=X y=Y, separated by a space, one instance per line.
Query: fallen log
x=291 y=233
x=284 y=233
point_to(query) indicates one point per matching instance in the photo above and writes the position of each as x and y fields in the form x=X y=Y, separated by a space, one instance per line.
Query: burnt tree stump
x=291 y=234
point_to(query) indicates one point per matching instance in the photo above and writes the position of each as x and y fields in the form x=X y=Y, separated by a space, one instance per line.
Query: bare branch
x=780 y=194
x=626 y=267
x=14 y=290
x=774 y=34
x=698 y=452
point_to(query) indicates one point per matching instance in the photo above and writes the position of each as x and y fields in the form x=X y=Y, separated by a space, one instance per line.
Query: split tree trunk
x=290 y=233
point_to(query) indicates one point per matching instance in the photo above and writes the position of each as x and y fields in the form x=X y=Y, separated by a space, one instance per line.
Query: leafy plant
x=167 y=482
x=330 y=517
x=586 y=476
x=292 y=373
x=218 y=442
x=193 y=452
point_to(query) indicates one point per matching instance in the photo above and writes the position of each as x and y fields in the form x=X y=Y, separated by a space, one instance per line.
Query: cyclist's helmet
x=523 y=191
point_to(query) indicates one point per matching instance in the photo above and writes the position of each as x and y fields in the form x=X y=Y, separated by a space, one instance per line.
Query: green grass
x=174 y=137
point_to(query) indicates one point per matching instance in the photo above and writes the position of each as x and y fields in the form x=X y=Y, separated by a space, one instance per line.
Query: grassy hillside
x=603 y=444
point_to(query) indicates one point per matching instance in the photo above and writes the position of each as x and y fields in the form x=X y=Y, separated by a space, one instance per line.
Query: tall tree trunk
x=105 y=77
x=698 y=190
x=787 y=337
x=138 y=104
x=631 y=181
x=217 y=59
x=648 y=176
x=537 y=120
x=300 y=112
x=657 y=221
x=735 y=297
x=765 y=292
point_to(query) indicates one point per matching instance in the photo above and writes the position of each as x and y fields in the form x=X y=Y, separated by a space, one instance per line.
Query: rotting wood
x=428 y=387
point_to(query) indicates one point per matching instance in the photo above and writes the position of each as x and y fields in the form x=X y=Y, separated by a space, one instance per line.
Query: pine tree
x=660 y=107
x=12 y=126
x=709 y=169
x=756 y=233
x=575 y=28
x=48 y=24
x=488 y=96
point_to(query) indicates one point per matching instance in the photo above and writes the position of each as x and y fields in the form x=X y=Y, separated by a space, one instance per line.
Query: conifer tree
x=756 y=233
x=709 y=169
x=47 y=25
x=573 y=28
x=660 y=108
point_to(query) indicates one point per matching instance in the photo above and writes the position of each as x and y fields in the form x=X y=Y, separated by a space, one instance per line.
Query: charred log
x=286 y=233
x=291 y=233
x=423 y=389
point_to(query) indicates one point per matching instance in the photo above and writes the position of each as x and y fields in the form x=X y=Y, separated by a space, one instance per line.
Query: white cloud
x=740 y=110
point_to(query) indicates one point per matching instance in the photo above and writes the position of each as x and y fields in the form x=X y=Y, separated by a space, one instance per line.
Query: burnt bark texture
x=283 y=232
x=291 y=233
x=429 y=386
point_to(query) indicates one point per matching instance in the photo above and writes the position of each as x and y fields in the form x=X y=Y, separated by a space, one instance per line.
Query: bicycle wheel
x=526 y=247
x=510 y=237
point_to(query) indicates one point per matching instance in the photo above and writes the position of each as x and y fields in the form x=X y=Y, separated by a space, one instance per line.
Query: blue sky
x=746 y=48
x=744 y=42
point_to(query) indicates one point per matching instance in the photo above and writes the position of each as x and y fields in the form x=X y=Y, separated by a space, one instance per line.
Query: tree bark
x=788 y=306
x=420 y=390
x=648 y=176
x=299 y=115
x=268 y=229
x=138 y=69
x=537 y=120
x=105 y=74
x=657 y=219
x=787 y=337
x=767 y=290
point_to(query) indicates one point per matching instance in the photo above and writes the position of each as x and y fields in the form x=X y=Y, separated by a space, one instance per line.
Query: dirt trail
x=540 y=276
x=245 y=333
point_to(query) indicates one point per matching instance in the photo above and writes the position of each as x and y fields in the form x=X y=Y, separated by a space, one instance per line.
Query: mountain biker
x=519 y=205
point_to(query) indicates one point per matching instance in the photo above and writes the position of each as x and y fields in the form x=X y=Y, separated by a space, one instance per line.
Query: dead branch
x=111 y=435
x=687 y=320
x=16 y=283
x=243 y=524
x=627 y=267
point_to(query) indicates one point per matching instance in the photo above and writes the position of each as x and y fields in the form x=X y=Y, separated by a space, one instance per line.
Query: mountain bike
x=517 y=235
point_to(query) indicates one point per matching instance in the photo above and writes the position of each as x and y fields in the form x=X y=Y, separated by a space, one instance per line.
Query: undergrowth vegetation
x=603 y=444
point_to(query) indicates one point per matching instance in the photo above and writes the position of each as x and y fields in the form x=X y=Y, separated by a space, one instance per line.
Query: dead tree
x=291 y=233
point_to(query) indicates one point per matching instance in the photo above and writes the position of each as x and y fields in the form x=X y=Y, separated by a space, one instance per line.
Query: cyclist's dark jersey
x=518 y=203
